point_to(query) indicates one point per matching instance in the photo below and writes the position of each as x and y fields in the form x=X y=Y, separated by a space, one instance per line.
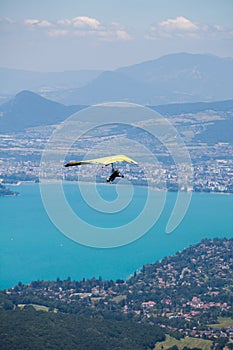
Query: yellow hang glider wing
x=104 y=160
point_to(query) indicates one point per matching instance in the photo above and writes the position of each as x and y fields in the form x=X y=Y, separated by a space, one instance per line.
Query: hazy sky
x=55 y=35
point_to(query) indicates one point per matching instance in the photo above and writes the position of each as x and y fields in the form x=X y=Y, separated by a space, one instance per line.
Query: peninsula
x=186 y=297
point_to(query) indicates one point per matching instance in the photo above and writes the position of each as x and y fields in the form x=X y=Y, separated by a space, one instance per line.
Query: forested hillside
x=183 y=295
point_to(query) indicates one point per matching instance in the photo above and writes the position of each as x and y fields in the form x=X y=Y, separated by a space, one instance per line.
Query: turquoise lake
x=32 y=248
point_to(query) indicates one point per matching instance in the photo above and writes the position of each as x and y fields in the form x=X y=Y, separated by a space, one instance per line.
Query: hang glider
x=104 y=160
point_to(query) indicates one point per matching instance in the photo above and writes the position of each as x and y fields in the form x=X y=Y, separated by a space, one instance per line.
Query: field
x=35 y=306
x=223 y=322
x=188 y=341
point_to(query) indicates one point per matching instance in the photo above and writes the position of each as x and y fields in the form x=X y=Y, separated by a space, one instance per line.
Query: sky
x=55 y=35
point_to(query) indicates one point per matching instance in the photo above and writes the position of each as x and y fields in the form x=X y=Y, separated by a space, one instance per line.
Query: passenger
x=115 y=173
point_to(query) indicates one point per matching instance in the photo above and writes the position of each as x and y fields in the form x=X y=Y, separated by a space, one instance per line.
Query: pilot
x=115 y=173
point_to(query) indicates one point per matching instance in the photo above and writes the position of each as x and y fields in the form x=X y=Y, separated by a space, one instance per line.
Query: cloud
x=178 y=24
x=79 y=22
x=45 y=23
x=38 y=23
x=81 y=26
x=221 y=31
x=177 y=27
x=123 y=35
x=115 y=32
x=181 y=27
x=91 y=27
x=83 y=21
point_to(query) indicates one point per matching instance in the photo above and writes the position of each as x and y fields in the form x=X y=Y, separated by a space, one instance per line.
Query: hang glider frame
x=104 y=160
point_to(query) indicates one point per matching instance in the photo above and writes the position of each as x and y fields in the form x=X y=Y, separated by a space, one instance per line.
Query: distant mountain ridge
x=109 y=86
x=173 y=78
x=169 y=79
x=28 y=109
x=195 y=107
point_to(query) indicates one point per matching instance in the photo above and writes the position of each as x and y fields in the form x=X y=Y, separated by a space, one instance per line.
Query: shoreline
x=67 y=182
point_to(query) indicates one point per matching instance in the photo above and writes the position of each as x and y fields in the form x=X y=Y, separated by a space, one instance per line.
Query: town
x=187 y=295
x=211 y=167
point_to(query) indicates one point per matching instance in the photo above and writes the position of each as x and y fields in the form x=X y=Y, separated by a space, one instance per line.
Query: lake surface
x=32 y=248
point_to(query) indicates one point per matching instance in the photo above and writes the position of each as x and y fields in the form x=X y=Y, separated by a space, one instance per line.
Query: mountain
x=196 y=107
x=108 y=86
x=187 y=77
x=212 y=132
x=173 y=78
x=169 y=79
x=31 y=329
x=28 y=109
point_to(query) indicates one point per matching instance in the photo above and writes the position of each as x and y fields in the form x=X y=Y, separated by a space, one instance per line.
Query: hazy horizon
x=113 y=69
x=56 y=36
